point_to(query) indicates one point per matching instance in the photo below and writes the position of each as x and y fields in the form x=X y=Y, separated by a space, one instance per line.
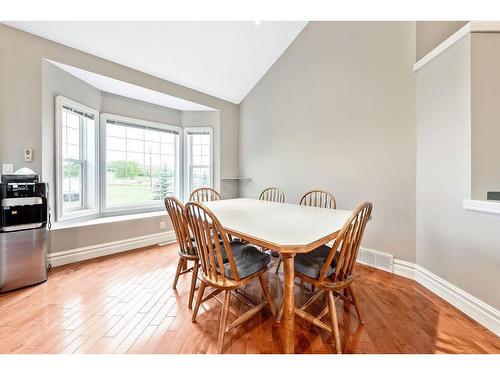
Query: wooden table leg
x=289 y=303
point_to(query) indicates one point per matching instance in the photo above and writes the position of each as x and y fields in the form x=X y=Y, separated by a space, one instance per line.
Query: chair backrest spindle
x=175 y=210
x=347 y=244
x=208 y=232
x=204 y=194
x=272 y=194
x=318 y=198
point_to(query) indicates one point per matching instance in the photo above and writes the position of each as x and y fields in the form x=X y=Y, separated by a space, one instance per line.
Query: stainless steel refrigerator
x=23 y=233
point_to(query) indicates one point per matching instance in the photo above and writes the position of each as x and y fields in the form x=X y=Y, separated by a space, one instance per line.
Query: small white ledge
x=236 y=178
x=106 y=220
x=491 y=207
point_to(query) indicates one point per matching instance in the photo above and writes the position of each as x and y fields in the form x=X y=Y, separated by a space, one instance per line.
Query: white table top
x=279 y=226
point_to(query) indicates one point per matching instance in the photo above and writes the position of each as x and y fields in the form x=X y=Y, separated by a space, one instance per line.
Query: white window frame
x=61 y=101
x=188 y=166
x=139 y=207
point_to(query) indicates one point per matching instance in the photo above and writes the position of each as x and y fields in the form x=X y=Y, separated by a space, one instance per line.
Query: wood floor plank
x=125 y=303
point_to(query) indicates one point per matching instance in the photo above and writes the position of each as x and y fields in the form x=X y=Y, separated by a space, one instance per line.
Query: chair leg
x=193 y=283
x=198 y=300
x=335 y=321
x=356 y=303
x=280 y=311
x=278 y=266
x=178 y=272
x=267 y=295
x=223 y=320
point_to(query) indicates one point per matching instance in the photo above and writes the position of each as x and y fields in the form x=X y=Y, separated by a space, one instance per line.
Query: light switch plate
x=28 y=154
x=7 y=168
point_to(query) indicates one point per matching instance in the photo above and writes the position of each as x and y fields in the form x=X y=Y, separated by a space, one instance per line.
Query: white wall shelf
x=491 y=207
x=236 y=179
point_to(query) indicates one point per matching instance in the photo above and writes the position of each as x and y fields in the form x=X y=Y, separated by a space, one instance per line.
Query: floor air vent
x=376 y=259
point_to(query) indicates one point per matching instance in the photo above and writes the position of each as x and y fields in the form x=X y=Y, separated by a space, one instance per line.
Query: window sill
x=491 y=207
x=106 y=220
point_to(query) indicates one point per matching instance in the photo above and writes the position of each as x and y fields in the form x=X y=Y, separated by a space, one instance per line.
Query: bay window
x=113 y=165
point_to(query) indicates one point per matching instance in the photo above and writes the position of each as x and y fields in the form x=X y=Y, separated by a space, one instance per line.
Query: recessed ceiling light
x=257 y=23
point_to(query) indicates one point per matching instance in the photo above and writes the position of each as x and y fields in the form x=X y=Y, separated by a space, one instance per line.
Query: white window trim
x=60 y=215
x=187 y=157
x=140 y=207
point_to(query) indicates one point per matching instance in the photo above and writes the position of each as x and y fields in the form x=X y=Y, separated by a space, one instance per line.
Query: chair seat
x=311 y=263
x=247 y=258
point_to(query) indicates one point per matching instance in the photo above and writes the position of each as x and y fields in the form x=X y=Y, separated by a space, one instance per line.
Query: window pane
x=200 y=151
x=71 y=186
x=134 y=145
x=115 y=130
x=201 y=177
x=70 y=135
x=72 y=120
x=153 y=147
x=144 y=171
x=116 y=144
x=196 y=139
x=135 y=133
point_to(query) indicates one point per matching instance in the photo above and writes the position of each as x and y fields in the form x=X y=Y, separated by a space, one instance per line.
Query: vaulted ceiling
x=223 y=59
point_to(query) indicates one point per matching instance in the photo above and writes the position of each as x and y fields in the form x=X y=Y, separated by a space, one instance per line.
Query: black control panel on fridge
x=22 y=204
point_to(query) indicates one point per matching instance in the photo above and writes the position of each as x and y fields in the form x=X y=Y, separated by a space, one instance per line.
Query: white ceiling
x=221 y=58
x=129 y=90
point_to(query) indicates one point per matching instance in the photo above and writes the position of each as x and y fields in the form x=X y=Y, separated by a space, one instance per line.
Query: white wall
x=337 y=112
x=462 y=247
x=485 y=107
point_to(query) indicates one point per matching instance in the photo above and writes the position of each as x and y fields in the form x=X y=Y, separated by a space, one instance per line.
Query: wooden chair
x=315 y=198
x=187 y=249
x=318 y=198
x=331 y=271
x=272 y=194
x=225 y=267
x=204 y=194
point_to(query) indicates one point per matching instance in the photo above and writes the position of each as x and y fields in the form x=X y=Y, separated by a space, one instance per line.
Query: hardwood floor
x=125 y=304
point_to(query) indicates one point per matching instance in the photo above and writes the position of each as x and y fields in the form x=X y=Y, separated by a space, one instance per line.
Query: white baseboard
x=481 y=312
x=60 y=258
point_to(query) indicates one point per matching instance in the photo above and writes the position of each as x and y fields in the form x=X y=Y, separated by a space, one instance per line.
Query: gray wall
x=24 y=94
x=337 y=112
x=430 y=34
x=123 y=106
x=21 y=57
x=485 y=69
x=457 y=245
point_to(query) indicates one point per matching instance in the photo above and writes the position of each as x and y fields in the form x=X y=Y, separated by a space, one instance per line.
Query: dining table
x=288 y=229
